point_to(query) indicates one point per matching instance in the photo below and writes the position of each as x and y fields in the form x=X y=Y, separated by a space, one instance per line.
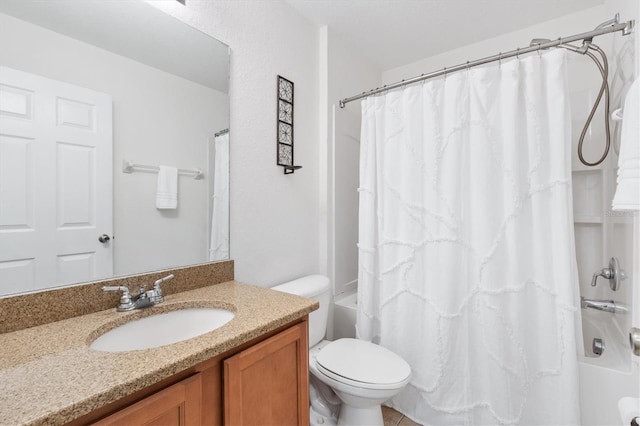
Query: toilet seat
x=363 y=364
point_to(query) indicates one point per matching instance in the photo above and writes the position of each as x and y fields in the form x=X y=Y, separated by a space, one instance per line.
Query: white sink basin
x=162 y=329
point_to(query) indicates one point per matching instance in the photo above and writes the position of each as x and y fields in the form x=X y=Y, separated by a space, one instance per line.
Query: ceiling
x=391 y=33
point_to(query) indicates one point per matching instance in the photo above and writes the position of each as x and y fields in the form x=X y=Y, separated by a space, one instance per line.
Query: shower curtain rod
x=625 y=27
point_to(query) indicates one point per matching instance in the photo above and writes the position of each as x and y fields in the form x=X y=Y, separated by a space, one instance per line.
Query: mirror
x=94 y=97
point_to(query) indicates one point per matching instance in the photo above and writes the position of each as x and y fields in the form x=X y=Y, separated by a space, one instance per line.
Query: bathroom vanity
x=266 y=383
x=252 y=370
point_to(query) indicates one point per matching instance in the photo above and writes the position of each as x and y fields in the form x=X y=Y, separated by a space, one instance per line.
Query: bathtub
x=604 y=326
x=344 y=315
x=608 y=378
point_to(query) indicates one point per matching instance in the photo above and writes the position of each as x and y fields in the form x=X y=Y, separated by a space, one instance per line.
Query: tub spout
x=603 y=305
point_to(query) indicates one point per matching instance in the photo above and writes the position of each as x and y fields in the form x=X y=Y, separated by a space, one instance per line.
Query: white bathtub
x=344 y=315
x=604 y=380
x=604 y=326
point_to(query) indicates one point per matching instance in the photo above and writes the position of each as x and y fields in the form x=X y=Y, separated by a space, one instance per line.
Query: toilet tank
x=315 y=287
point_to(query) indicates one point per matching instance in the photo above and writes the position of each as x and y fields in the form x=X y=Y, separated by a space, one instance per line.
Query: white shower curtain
x=219 y=240
x=467 y=266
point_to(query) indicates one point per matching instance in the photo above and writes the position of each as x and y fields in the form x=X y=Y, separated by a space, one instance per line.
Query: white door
x=55 y=183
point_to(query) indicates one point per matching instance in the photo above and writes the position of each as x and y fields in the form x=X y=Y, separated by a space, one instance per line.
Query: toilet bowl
x=361 y=374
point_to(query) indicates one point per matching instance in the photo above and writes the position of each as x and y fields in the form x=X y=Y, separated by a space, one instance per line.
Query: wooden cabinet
x=268 y=384
x=262 y=382
x=179 y=405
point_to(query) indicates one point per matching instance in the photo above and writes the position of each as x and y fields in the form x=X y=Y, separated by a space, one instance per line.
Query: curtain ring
x=467 y=66
x=445 y=72
x=500 y=60
x=518 y=53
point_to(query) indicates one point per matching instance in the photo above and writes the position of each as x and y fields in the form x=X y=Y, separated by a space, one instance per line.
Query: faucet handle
x=604 y=272
x=123 y=289
x=157 y=290
x=125 y=298
x=613 y=273
x=156 y=284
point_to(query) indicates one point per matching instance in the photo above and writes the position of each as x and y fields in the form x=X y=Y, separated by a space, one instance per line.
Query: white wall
x=342 y=72
x=562 y=26
x=158 y=118
x=345 y=73
x=274 y=218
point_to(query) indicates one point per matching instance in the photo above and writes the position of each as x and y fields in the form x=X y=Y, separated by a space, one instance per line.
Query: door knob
x=104 y=238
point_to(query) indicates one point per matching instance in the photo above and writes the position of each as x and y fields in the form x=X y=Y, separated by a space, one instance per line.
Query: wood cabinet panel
x=179 y=404
x=268 y=383
x=261 y=382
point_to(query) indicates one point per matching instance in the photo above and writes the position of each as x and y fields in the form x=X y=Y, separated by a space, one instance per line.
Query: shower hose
x=604 y=89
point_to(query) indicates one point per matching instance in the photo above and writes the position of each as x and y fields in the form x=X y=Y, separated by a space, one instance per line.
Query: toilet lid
x=363 y=362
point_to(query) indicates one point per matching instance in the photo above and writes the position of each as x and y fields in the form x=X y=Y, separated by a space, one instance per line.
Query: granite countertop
x=48 y=374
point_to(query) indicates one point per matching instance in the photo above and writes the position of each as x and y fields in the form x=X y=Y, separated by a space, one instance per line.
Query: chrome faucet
x=613 y=273
x=144 y=299
x=603 y=305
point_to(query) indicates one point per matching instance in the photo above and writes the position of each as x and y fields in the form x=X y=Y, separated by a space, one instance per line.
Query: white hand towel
x=167 y=193
x=627 y=195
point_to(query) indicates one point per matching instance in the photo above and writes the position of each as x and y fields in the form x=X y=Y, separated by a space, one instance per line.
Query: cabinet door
x=268 y=383
x=179 y=404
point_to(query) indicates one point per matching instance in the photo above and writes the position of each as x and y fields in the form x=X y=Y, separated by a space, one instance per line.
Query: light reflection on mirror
x=85 y=86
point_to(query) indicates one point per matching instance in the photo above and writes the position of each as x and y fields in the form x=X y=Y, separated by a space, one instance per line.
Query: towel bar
x=130 y=167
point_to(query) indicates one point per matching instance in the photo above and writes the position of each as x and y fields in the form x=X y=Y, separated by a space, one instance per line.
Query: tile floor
x=393 y=418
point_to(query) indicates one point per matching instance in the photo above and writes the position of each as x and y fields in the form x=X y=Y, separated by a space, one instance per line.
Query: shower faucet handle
x=613 y=273
x=604 y=273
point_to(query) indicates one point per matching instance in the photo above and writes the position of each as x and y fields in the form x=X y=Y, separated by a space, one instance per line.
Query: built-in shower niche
x=587 y=196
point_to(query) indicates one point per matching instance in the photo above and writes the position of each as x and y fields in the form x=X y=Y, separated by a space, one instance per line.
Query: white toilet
x=362 y=375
